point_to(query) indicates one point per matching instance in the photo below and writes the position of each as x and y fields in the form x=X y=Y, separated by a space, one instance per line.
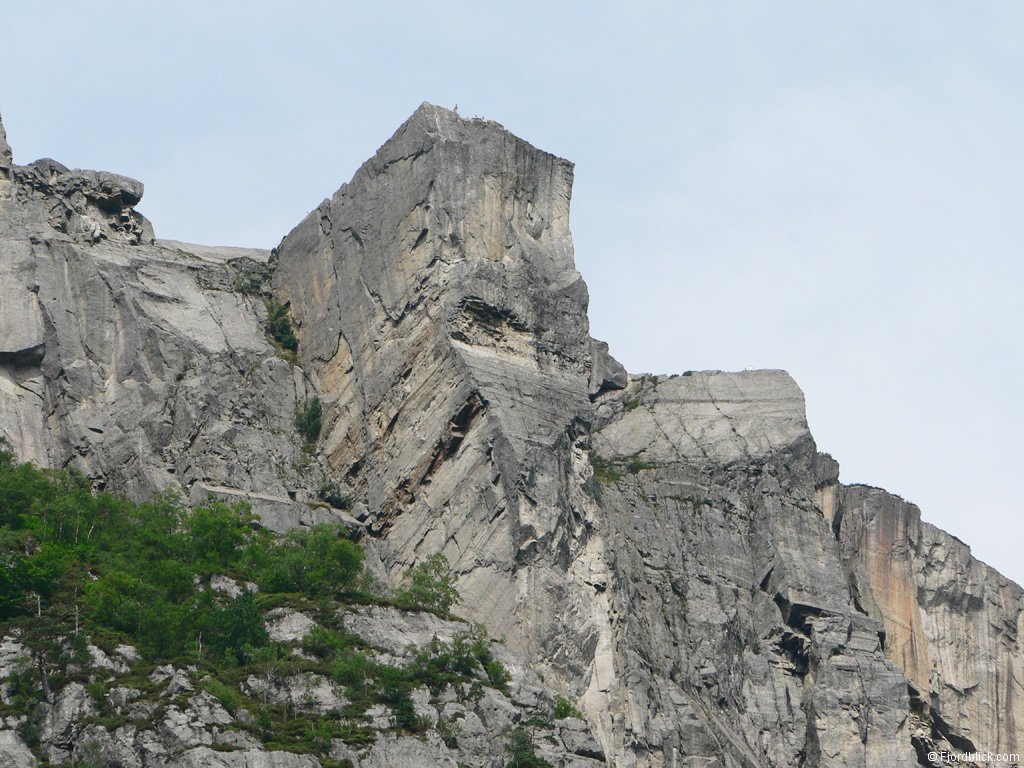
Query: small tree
x=279 y=325
x=317 y=561
x=217 y=532
x=309 y=420
x=521 y=752
x=429 y=586
x=236 y=629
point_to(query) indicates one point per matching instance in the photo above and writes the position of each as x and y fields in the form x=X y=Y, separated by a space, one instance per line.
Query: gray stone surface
x=215 y=254
x=443 y=321
x=407 y=752
x=285 y=625
x=731 y=632
x=606 y=373
x=672 y=554
x=951 y=623
x=6 y=156
x=205 y=757
x=14 y=752
x=303 y=692
x=705 y=416
x=140 y=364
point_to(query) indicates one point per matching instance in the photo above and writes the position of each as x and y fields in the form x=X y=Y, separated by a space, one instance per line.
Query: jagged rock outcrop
x=444 y=323
x=6 y=156
x=141 y=363
x=951 y=623
x=171 y=721
x=673 y=553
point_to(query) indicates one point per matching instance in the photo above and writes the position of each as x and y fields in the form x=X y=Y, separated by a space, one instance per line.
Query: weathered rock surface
x=443 y=321
x=179 y=725
x=140 y=362
x=739 y=642
x=670 y=553
x=14 y=753
x=6 y=156
x=952 y=624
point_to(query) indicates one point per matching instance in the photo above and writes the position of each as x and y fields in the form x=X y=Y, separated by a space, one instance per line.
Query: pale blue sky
x=832 y=188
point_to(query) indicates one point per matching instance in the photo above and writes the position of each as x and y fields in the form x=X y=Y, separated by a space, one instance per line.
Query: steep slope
x=673 y=552
x=141 y=363
x=732 y=616
x=952 y=623
x=442 y=319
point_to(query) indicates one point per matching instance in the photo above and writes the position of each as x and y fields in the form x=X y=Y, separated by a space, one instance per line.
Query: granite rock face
x=140 y=363
x=175 y=724
x=733 y=636
x=6 y=156
x=952 y=624
x=442 y=319
x=673 y=554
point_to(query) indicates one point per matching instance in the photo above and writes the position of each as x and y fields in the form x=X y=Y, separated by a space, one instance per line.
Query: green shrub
x=636 y=464
x=330 y=492
x=394 y=687
x=235 y=630
x=279 y=326
x=520 y=750
x=564 y=708
x=449 y=731
x=309 y=420
x=429 y=586
x=25 y=689
x=353 y=671
x=229 y=698
x=497 y=674
x=216 y=532
x=323 y=643
x=604 y=470
x=318 y=561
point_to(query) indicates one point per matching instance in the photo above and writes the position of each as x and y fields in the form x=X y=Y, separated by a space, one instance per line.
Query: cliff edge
x=671 y=553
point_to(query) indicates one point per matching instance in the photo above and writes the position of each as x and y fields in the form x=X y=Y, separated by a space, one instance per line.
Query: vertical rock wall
x=443 y=320
x=952 y=623
x=735 y=637
x=139 y=363
x=672 y=552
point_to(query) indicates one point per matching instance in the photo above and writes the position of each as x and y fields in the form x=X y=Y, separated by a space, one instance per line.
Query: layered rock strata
x=672 y=552
x=953 y=624
x=443 y=321
x=141 y=363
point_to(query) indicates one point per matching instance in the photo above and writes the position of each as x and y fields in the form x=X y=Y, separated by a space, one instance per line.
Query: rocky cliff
x=672 y=553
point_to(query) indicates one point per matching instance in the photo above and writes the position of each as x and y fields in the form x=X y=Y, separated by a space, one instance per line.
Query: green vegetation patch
x=308 y=421
x=635 y=464
x=564 y=708
x=139 y=573
x=279 y=326
x=429 y=586
x=521 y=751
x=608 y=471
x=80 y=568
x=604 y=470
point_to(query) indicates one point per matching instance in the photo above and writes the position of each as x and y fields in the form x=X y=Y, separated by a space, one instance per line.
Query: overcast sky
x=835 y=188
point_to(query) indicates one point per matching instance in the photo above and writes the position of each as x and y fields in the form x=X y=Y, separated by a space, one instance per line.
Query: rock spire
x=6 y=156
